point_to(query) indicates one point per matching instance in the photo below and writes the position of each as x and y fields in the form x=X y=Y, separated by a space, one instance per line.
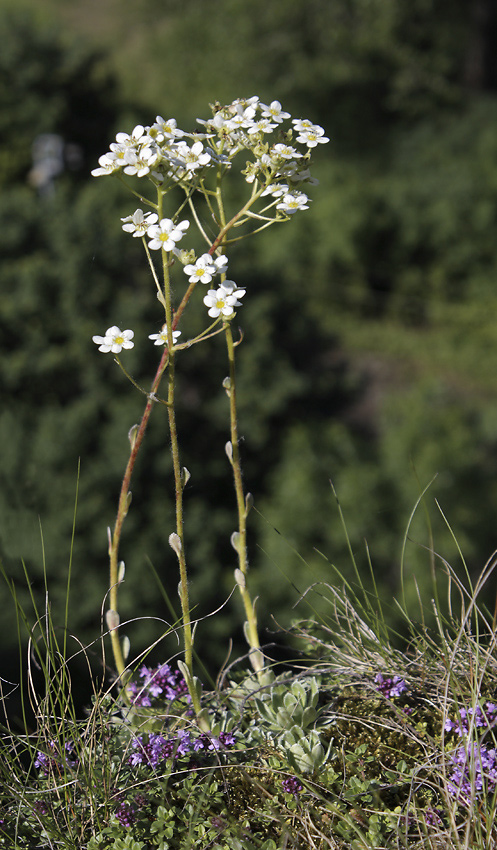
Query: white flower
x=242 y=117
x=108 y=164
x=301 y=124
x=129 y=140
x=114 y=340
x=312 y=136
x=293 y=202
x=135 y=164
x=194 y=157
x=277 y=190
x=221 y=301
x=138 y=223
x=274 y=111
x=166 y=234
x=285 y=151
x=202 y=270
x=161 y=339
x=168 y=128
x=221 y=264
x=263 y=125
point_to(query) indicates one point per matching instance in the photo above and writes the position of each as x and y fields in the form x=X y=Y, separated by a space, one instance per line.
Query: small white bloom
x=285 y=151
x=202 y=270
x=221 y=301
x=166 y=234
x=263 y=125
x=169 y=129
x=194 y=157
x=274 y=111
x=139 y=222
x=312 y=137
x=135 y=164
x=293 y=202
x=241 y=117
x=130 y=139
x=221 y=264
x=303 y=124
x=161 y=339
x=277 y=190
x=114 y=340
x=108 y=164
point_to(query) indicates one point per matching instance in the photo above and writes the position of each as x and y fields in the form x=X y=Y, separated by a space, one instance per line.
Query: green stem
x=178 y=484
x=243 y=507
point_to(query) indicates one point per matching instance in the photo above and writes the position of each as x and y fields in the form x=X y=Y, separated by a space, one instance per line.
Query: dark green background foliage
x=370 y=334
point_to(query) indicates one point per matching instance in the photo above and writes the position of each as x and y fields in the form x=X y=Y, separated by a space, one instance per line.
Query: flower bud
x=229 y=451
x=185 y=476
x=249 y=503
x=175 y=543
x=109 y=538
x=227 y=386
x=122 y=570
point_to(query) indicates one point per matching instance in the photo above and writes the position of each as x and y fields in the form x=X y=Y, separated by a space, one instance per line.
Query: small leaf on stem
x=133 y=431
x=112 y=619
x=175 y=543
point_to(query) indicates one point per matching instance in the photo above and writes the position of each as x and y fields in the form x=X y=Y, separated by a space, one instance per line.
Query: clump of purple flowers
x=474 y=766
x=54 y=761
x=126 y=814
x=292 y=785
x=483 y=719
x=390 y=686
x=153 y=749
x=159 y=683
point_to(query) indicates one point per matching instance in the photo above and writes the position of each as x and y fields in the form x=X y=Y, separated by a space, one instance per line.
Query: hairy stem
x=243 y=507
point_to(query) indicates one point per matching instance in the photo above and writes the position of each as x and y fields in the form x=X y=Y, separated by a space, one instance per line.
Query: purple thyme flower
x=161 y=682
x=54 y=761
x=473 y=767
x=126 y=814
x=390 y=686
x=152 y=750
x=483 y=719
x=292 y=785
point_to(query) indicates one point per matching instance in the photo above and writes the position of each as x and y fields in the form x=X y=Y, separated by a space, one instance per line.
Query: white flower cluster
x=115 y=339
x=163 y=151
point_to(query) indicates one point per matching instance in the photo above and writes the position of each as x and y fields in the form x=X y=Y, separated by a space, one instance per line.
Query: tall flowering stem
x=244 y=503
x=197 y=163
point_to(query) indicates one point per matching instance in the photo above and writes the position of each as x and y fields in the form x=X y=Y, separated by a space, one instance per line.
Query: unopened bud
x=185 y=476
x=229 y=451
x=112 y=619
x=133 y=431
x=175 y=543
x=240 y=579
x=109 y=538
x=249 y=503
x=227 y=385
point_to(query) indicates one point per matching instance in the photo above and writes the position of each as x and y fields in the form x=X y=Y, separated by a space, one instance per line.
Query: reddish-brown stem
x=122 y=507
